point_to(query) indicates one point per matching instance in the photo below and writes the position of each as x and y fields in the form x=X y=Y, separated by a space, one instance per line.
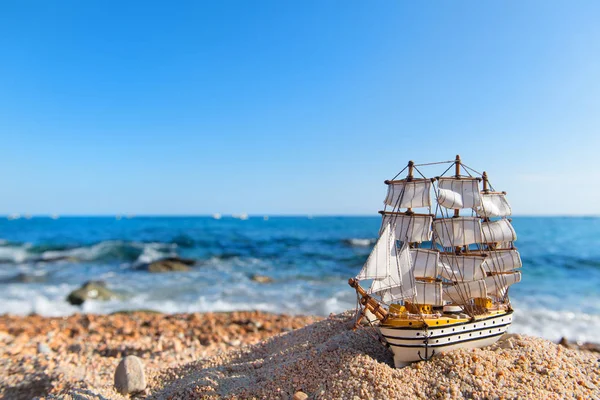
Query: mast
x=485 y=182
x=491 y=246
x=409 y=178
x=485 y=302
x=461 y=268
x=501 y=265
x=457 y=175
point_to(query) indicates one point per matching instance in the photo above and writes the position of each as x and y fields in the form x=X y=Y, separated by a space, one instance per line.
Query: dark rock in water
x=587 y=346
x=170 y=264
x=564 y=342
x=594 y=347
x=92 y=290
x=186 y=261
x=261 y=279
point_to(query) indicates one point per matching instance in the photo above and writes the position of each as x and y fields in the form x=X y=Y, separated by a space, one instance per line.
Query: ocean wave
x=105 y=251
x=555 y=324
x=49 y=301
x=192 y=293
x=358 y=242
x=184 y=241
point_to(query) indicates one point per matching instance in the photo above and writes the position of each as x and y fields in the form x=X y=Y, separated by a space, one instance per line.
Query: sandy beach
x=259 y=355
x=42 y=356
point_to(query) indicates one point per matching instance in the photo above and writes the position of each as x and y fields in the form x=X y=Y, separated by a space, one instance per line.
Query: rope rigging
x=455 y=274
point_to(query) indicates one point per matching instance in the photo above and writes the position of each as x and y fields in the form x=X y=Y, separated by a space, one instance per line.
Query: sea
x=308 y=258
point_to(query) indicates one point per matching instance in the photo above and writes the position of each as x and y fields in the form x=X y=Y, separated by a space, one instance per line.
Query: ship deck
x=416 y=322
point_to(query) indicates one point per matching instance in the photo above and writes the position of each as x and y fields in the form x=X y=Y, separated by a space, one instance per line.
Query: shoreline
x=60 y=357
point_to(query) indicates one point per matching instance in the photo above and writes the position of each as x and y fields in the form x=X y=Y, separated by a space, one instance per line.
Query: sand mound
x=327 y=360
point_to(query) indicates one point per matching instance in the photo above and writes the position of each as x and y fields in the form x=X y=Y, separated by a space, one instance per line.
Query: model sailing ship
x=440 y=277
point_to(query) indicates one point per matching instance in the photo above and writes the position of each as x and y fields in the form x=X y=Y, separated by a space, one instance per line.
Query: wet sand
x=258 y=355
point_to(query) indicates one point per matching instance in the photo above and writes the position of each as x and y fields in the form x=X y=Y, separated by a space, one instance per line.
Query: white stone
x=129 y=376
x=299 y=395
x=43 y=348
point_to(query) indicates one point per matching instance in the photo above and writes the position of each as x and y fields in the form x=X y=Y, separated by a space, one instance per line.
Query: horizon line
x=26 y=216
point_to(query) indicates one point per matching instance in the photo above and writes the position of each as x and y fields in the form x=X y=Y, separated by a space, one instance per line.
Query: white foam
x=19 y=254
x=15 y=254
x=155 y=251
x=44 y=300
x=361 y=242
x=80 y=253
x=553 y=324
x=209 y=289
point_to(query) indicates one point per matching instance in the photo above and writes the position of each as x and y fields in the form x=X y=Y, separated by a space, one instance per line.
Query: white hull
x=414 y=344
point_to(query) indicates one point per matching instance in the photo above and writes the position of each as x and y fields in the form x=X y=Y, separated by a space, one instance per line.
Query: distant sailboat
x=216 y=216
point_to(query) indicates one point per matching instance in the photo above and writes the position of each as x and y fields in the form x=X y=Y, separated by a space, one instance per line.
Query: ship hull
x=411 y=344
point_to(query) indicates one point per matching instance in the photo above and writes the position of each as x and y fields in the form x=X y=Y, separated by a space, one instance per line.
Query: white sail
x=497 y=231
x=498 y=284
x=399 y=273
x=378 y=263
x=459 y=293
x=449 y=199
x=425 y=263
x=395 y=294
x=462 y=268
x=409 y=227
x=502 y=261
x=461 y=231
x=493 y=205
x=459 y=193
x=429 y=293
x=391 y=295
x=413 y=194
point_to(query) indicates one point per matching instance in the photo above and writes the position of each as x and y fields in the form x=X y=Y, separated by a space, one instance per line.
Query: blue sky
x=293 y=107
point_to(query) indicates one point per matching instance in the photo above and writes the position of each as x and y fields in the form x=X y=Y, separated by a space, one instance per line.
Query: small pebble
x=43 y=348
x=299 y=395
x=129 y=376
